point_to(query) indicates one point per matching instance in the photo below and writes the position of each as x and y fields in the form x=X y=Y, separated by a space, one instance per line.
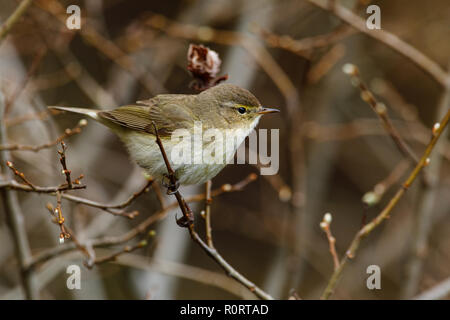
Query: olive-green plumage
x=221 y=107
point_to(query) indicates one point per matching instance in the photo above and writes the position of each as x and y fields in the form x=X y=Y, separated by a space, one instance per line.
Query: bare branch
x=115 y=208
x=30 y=116
x=14 y=18
x=62 y=159
x=67 y=133
x=303 y=46
x=58 y=217
x=34 y=66
x=389 y=39
x=30 y=187
x=424 y=211
x=16 y=221
x=384 y=214
x=439 y=291
x=374 y=196
x=380 y=110
x=208 y=201
x=185 y=271
x=14 y=185
x=126 y=249
x=107 y=47
x=139 y=229
x=19 y=174
x=188 y=221
x=326 y=227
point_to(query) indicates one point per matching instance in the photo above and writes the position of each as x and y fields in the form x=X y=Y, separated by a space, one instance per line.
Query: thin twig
x=423 y=215
x=208 y=202
x=114 y=209
x=50 y=253
x=439 y=291
x=14 y=18
x=19 y=174
x=326 y=63
x=47 y=254
x=126 y=249
x=230 y=271
x=42 y=115
x=15 y=220
x=87 y=249
x=107 y=47
x=159 y=195
x=58 y=217
x=67 y=133
x=14 y=185
x=384 y=214
x=302 y=46
x=30 y=187
x=62 y=159
x=184 y=271
x=326 y=227
x=397 y=102
x=56 y=212
x=381 y=111
x=33 y=67
x=73 y=67
x=389 y=39
x=188 y=221
x=374 y=196
x=354 y=129
x=278 y=184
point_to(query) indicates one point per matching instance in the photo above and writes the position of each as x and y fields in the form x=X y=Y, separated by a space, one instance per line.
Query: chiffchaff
x=227 y=108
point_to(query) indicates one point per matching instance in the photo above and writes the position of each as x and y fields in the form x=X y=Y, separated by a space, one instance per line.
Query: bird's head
x=237 y=106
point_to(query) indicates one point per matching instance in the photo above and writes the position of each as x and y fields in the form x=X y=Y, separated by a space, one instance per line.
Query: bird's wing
x=167 y=112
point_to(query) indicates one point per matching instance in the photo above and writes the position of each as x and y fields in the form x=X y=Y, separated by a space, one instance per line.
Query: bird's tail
x=92 y=113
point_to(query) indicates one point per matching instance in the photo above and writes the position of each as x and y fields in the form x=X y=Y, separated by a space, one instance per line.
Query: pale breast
x=206 y=160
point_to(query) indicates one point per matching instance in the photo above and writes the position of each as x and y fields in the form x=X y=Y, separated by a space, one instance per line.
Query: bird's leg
x=172 y=187
x=187 y=220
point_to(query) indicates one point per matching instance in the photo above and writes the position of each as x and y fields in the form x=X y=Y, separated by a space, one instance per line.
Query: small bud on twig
x=226 y=187
x=350 y=69
x=82 y=123
x=285 y=194
x=204 y=64
x=371 y=198
x=142 y=243
x=380 y=108
x=436 y=127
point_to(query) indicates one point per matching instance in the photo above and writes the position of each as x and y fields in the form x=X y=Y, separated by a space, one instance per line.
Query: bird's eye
x=241 y=110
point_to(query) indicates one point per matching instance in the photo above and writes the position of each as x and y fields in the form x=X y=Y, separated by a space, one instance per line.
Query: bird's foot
x=185 y=221
x=172 y=187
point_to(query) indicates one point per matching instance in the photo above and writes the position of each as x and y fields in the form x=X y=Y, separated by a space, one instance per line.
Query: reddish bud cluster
x=204 y=65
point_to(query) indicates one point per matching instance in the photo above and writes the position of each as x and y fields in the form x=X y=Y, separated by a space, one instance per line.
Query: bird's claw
x=171 y=187
x=185 y=222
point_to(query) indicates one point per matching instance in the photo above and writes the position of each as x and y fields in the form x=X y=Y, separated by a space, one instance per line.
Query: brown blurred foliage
x=334 y=150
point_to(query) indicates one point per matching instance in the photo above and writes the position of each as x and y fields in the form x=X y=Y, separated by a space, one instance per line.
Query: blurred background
x=333 y=149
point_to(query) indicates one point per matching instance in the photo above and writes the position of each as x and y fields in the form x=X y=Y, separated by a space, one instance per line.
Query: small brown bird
x=225 y=109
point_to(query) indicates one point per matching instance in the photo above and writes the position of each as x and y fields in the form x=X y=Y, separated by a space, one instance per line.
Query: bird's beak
x=264 y=110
